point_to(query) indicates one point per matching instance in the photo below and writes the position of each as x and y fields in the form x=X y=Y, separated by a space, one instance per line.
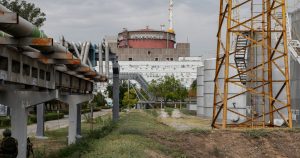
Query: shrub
x=48 y=117
x=4 y=121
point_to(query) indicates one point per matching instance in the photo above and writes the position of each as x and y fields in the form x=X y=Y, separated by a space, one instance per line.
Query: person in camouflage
x=9 y=145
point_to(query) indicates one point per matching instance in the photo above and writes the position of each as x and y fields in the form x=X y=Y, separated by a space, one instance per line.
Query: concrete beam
x=34 y=97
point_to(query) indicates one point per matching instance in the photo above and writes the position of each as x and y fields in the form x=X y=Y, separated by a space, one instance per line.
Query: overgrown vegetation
x=83 y=146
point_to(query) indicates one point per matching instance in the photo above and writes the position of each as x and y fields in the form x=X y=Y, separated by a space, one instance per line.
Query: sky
x=196 y=21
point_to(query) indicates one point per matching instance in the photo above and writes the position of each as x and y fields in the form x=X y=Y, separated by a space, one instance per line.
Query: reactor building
x=148 y=45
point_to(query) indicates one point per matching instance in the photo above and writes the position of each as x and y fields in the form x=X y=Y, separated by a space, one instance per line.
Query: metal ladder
x=240 y=56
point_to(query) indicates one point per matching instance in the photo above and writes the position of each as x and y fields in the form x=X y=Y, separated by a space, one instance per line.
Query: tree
x=123 y=90
x=99 y=100
x=168 y=89
x=193 y=89
x=130 y=98
x=26 y=10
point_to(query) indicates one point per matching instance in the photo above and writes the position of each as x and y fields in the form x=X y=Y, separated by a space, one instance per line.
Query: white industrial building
x=185 y=69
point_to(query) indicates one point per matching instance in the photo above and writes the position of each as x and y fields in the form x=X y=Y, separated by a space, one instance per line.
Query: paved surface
x=57 y=124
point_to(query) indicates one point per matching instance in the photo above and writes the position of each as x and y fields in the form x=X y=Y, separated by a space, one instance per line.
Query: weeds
x=83 y=145
x=294 y=130
x=257 y=133
x=152 y=112
x=169 y=111
x=201 y=131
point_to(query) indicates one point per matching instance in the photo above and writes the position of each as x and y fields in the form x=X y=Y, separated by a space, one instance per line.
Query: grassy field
x=131 y=139
x=143 y=134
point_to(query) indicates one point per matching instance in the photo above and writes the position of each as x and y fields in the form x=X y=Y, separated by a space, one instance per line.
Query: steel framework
x=252 y=55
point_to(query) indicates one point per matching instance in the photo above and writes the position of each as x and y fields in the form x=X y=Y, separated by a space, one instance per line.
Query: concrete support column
x=74 y=114
x=116 y=90
x=40 y=126
x=106 y=59
x=73 y=123
x=100 y=60
x=78 y=129
x=19 y=127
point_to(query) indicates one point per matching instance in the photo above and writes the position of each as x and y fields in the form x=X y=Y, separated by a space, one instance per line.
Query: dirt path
x=183 y=122
x=232 y=144
x=195 y=138
x=57 y=124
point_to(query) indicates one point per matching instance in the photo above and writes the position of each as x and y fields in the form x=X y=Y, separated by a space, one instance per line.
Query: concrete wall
x=151 y=54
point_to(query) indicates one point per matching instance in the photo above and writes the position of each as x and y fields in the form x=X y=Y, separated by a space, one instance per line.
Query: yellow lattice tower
x=257 y=64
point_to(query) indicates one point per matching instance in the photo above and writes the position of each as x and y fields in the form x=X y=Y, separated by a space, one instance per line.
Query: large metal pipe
x=25 y=29
x=76 y=49
x=22 y=29
x=86 y=53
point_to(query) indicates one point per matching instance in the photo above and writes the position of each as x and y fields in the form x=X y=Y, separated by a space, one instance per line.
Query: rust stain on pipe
x=42 y=41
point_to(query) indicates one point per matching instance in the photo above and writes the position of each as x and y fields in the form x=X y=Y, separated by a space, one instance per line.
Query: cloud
x=78 y=20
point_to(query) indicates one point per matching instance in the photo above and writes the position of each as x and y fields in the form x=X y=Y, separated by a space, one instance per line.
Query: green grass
x=130 y=139
x=56 y=144
x=152 y=112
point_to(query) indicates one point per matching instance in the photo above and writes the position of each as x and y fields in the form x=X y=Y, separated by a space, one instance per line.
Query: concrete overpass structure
x=34 y=69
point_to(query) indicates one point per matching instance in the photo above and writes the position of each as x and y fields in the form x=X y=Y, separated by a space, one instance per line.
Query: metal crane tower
x=171 y=22
x=252 y=58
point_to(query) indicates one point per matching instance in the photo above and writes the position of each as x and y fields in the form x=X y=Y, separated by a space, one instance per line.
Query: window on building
x=3 y=63
x=48 y=76
x=16 y=67
x=129 y=59
x=26 y=70
x=42 y=74
x=171 y=59
x=149 y=53
x=34 y=72
x=156 y=59
x=168 y=59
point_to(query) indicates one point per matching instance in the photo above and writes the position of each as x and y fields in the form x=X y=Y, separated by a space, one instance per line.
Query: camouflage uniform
x=9 y=148
x=9 y=145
